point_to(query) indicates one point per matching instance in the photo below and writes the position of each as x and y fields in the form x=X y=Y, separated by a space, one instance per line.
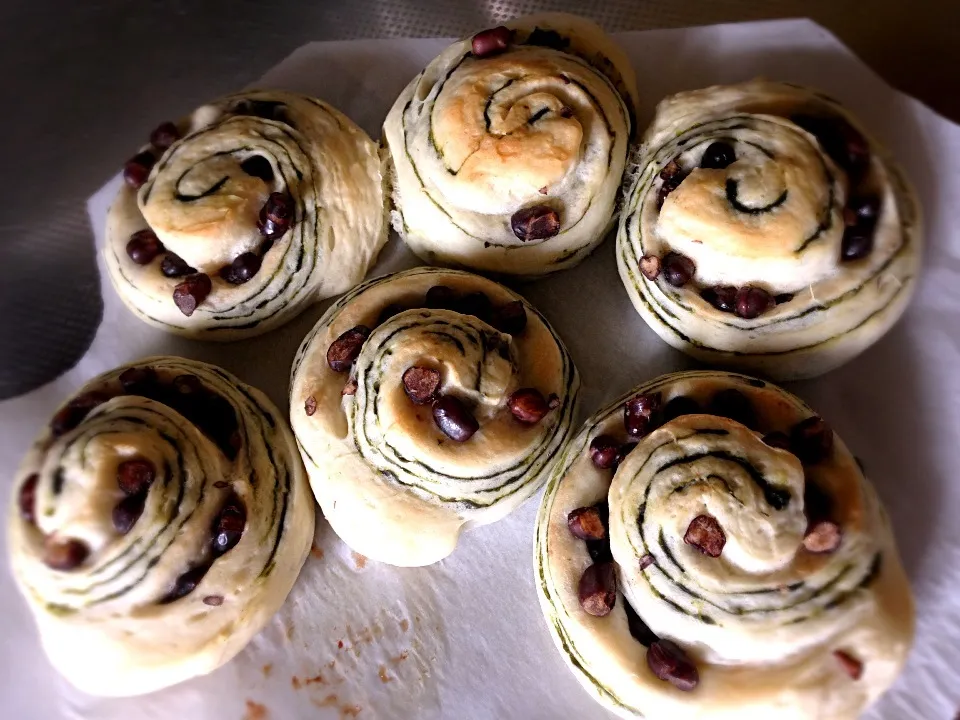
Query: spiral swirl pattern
x=209 y=544
x=762 y=615
x=475 y=139
x=209 y=194
x=775 y=188
x=392 y=484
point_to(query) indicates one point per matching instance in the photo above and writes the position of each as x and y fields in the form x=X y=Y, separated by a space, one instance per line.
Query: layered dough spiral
x=765 y=231
x=791 y=604
x=483 y=138
x=276 y=198
x=157 y=524
x=393 y=484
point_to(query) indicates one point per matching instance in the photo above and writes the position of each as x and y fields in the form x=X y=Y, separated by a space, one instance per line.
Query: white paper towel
x=465 y=638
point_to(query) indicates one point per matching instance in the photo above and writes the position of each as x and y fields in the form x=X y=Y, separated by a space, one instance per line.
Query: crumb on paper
x=404 y=625
x=326 y=702
x=317 y=680
x=295 y=682
x=317 y=552
x=350 y=711
x=255 y=711
x=290 y=631
x=384 y=678
x=359 y=560
x=339 y=644
x=331 y=664
x=267 y=669
x=400 y=658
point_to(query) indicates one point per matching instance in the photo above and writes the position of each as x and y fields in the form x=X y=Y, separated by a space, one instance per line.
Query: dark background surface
x=84 y=83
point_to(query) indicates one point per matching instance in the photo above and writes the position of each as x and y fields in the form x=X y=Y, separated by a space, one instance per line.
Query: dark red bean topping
x=213 y=600
x=706 y=535
x=127 y=512
x=135 y=380
x=752 y=302
x=670 y=663
x=135 y=476
x=528 y=405
x=421 y=384
x=510 y=318
x=73 y=413
x=476 y=304
x=718 y=155
x=777 y=439
x=189 y=294
x=625 y=450
x=650 y=267
x=857 y=242
x=811 y=440
x=346 y=348
x=722 y=297
x=310 y=405
x=454 y=419
x=388 y=312
x=490 y=42
x=441 y=297
x=187 y=384
x=604 y=451
x=639 y=413
x=865 y=208
x=733 y=404
x=535 y=223
x=276 y=215
x=851 y=666
x=242 y=269
x=840 y=140
x=678 y=269
x=566 y=112
x=164 y=135
x=185 y=584
x=638 y=628
x=598 y=589
x=27 y=498
x=228 y=526
x=672 y=175
x=64 y=553
x=137 y=169
x=783 y=298
x=144 y=246
x=175 y=266
x=259 y=167
x=680 y=405
x=646 y=561
x=587 y=523
x=822 y=537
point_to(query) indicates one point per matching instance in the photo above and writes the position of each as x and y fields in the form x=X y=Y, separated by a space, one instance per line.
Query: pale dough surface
x=393 y=486
x=101 y=624
x=474 y=140
x=838 y=308
x=205 y=208
x=767 y=652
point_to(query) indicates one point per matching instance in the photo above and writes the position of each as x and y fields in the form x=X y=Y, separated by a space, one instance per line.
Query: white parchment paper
x=465 y=637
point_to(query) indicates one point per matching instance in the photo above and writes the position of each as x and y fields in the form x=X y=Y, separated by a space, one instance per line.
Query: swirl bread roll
x=238 y=217
x=508 y=150
x=426 y=402
x=766 y=231
x=708 y=548
x=157 y=524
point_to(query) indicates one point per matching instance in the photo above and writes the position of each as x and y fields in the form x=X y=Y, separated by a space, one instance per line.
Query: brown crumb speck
x=317 y=552
x=290 y=632
x=331 y=664
x=404 y=624
x=359 y=560
x=340 y=644
x=384 y=678
x=350 y=711
x=267 y=669
x=326 y=702
x=255 y=711
x=400 y=658
x=295 y=682
x=317 y=680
